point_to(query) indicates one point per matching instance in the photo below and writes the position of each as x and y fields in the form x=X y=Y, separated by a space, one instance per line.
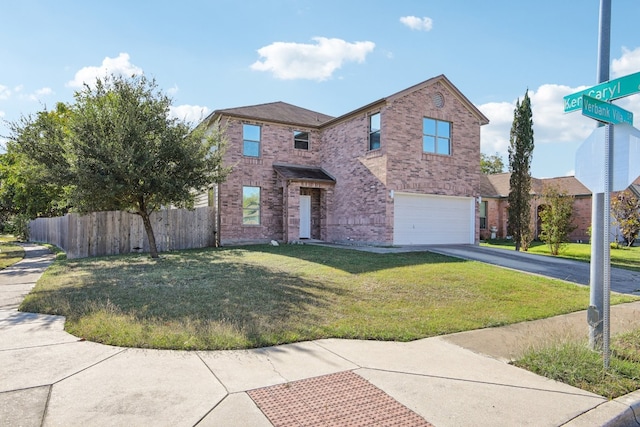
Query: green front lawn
x=262 y=295
x=575 y=364
x=622 y=257
x=10 y=253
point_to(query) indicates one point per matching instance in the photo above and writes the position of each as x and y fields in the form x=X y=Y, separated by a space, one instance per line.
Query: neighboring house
x=494 y=190
x=402 y=170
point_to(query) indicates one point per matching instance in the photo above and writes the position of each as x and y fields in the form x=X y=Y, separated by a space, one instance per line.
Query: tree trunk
x=146 y=220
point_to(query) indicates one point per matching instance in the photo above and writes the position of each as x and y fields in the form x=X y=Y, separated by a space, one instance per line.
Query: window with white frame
x=436 y=136
x=251 y=140
x=251 y=205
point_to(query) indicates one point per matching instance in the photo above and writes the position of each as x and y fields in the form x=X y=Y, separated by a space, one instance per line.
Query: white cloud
x=189 y=113
x=2 y=113
x=419 y=24
x=44 y=91
x=628 y=63
x=172 y=91
x=38 y=94
x=120 y=66
x=495 y=135
x=5 y=92
x=289 y=61
x=550 y=123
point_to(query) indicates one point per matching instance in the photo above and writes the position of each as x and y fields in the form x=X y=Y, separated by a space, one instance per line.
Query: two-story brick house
x=402 y=170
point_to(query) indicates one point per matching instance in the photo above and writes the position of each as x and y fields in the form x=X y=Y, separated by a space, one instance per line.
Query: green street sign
x=613 y=89
x=605 y=112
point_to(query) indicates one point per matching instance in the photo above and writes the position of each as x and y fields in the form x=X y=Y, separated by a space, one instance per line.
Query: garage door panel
x=429 y=219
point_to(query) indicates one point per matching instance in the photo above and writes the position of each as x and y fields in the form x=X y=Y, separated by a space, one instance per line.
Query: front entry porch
x=307 y=194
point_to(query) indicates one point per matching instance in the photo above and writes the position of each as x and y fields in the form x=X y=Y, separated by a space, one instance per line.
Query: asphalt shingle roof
x=280 y=112
x=302 y=173
x=497 y=185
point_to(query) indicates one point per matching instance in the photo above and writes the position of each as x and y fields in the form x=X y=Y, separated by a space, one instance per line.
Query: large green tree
x=120 y=150
x=490 y=164
x=520 y=155
x=27 y=187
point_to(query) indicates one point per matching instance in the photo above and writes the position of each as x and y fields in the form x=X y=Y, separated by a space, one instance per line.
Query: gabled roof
x=497 y=185
x=482 y=119
x=279 y=112
x=302 y=173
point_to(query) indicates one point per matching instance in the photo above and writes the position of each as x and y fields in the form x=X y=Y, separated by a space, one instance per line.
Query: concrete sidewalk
x=48 y=377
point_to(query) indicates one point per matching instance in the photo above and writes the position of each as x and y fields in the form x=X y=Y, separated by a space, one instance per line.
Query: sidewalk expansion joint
x=467 y=380
x=42 y=345
x=90 y=366
x=212 y=408
x=338 y=355
x=214 y=375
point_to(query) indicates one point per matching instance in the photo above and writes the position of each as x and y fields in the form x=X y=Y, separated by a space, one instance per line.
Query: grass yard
x=254 y=296
x=575 y=364
x=622 y=257
x=10 y=253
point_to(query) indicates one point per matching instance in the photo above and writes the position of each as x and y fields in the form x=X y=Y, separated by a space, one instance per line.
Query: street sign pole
x=606 y=247
x=593 y=103
x=600 y=206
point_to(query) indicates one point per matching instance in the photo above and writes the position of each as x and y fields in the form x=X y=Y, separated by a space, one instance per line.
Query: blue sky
x=329 y=56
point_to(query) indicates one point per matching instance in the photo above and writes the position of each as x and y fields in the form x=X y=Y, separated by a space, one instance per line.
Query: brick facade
x=581 y=219
x=357 y=206
x=276 y=146
x=360 y=205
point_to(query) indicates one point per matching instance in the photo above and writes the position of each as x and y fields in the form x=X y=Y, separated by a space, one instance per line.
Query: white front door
x=305 y=217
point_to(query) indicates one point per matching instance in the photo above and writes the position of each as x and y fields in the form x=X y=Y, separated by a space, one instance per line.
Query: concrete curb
x=621 y=412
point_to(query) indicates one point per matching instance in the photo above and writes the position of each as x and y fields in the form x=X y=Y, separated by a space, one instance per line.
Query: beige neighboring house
x=494 y=216
x=402 y=170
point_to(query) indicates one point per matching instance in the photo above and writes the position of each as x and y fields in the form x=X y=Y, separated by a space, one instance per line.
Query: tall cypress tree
x=520 y=154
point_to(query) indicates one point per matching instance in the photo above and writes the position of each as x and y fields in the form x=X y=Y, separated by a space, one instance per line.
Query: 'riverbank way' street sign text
x=605 y=112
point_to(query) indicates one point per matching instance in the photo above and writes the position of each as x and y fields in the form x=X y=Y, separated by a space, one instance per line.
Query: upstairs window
x=374 y=131
x=436 y=136
x=251 y=140
x=300 y=140
x=251 y=205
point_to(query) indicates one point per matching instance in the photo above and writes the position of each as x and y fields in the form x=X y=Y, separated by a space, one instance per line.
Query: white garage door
x=432 y=220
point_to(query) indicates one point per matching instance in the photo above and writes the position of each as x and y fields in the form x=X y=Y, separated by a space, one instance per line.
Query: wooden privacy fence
x=117 y=232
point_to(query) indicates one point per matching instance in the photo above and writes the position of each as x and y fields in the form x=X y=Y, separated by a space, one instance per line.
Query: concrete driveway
x=622 y=281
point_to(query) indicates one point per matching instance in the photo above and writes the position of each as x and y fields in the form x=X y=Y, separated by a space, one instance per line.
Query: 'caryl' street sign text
x=605 y=112
x=613 y=89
